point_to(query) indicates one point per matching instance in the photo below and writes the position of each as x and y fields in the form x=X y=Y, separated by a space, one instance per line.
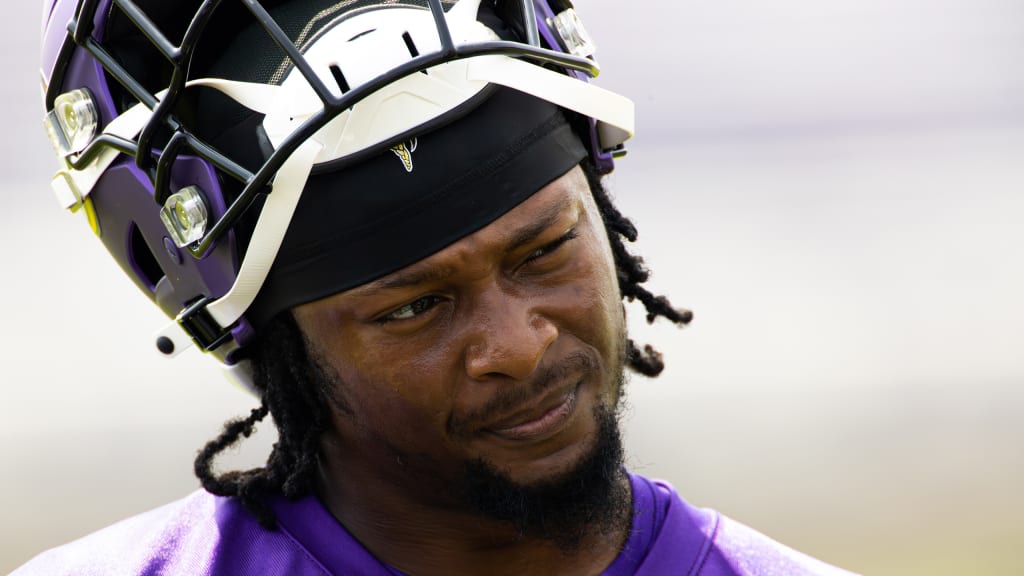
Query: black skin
x=310 y=388
x=511 y=342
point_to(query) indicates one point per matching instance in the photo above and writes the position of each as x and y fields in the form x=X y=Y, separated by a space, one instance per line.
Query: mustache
x=510 y=398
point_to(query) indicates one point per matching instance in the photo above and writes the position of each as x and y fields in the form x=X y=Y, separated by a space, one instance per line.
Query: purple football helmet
x=121 y=81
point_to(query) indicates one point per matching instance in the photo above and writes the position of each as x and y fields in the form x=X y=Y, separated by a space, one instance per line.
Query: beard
x=591 y=498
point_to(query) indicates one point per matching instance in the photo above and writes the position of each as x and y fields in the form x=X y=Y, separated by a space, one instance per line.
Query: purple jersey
x=208 y=535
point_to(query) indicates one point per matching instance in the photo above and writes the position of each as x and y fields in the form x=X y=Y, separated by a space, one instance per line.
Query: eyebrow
x=412 y=277
x=520 y=237
x=547 y=219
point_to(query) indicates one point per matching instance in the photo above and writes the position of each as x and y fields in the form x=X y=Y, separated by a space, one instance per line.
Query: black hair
x=292 y=393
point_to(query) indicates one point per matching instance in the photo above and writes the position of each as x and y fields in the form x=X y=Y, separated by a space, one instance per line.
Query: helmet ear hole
x=144 y=264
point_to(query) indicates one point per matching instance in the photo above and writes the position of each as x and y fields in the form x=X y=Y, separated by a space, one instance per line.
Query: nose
x=508 y=337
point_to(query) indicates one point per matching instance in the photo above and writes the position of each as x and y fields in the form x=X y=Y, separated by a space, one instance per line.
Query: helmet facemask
x=361 y=82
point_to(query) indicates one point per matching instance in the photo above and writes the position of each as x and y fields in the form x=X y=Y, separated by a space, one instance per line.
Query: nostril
x=509 y=349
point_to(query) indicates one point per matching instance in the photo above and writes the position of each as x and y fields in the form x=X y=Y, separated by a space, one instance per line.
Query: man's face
x=504 y=348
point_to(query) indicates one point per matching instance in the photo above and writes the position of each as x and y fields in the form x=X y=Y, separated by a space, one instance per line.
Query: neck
x=424 y=537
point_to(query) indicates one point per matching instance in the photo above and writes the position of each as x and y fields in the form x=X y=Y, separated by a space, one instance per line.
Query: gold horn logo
x=404 y=152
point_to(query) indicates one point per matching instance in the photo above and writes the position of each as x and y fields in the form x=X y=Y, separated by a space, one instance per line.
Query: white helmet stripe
x=613 y=110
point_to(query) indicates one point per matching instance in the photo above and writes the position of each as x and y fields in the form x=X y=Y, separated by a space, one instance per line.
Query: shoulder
x=201 y=534
x=738 y=549
x=716 y=545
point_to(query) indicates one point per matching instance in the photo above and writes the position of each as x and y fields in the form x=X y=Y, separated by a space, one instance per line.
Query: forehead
x=558 y=204
x=358 y=223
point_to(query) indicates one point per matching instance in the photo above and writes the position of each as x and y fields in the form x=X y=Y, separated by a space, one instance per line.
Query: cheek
x=604 y=273
x=594 y=300
x=383 y=426
x=392 y=392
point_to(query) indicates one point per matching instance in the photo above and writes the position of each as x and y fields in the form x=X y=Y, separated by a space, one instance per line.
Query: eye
x=551 y=247
x=410 y=310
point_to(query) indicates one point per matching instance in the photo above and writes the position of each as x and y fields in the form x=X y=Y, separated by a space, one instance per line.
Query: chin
x=554 y=450
x=558 y=467
x=581 y=490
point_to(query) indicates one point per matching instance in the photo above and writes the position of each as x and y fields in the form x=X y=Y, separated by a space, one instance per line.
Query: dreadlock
x=281 y=373
x=632 y=273
x=297 y=402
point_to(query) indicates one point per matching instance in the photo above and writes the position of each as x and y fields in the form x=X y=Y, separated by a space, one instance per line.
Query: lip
x=544 y=421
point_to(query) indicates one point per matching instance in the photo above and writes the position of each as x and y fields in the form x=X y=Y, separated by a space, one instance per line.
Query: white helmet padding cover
x=393 y=34
x=362 y=245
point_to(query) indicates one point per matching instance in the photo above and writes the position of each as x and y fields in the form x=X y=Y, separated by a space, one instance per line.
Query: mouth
x=538 y=422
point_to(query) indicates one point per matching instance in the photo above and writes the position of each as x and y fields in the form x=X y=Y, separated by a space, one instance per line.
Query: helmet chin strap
x=266 y=240
x=72 y=187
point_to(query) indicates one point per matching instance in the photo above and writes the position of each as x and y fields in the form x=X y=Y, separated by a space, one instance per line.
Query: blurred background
x=837 y=190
